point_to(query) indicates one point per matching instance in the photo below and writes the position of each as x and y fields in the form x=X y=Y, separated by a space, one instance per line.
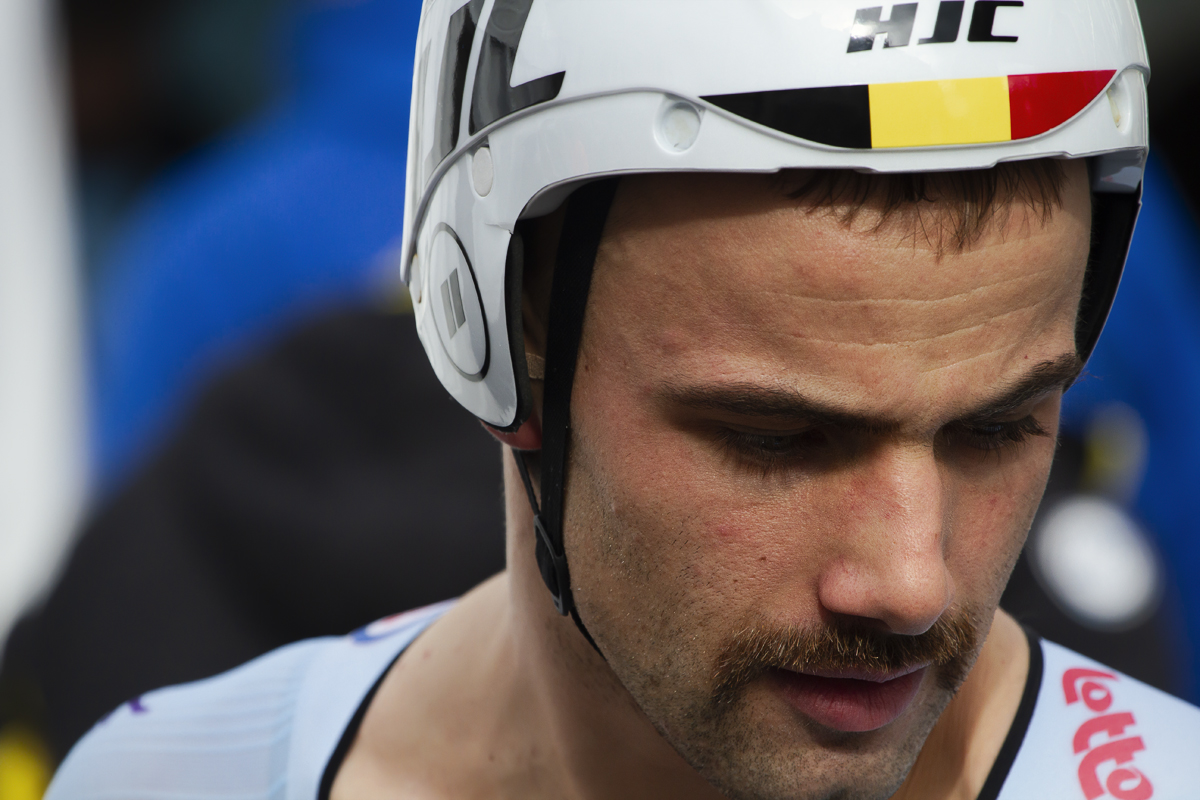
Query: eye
x=767 y=443
x=769 y=451
x=997 y=435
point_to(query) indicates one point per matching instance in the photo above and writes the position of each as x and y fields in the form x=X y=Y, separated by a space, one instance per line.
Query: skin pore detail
x=805 y=455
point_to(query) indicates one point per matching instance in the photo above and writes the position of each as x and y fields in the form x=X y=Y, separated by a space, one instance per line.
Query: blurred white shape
x=1096 y=563
x=42 y=462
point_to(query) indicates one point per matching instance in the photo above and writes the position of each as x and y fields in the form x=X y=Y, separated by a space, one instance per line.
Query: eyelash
x=999 y=435
x=753 y=450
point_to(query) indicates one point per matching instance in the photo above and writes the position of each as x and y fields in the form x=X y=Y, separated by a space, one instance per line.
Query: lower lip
x=847 y=704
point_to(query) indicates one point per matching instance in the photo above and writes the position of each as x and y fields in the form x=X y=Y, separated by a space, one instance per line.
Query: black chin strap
x=551 y=562
x=587 y=213
x=1113 y=220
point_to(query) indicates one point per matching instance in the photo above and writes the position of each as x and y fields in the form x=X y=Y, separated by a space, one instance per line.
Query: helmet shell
x=518 y=102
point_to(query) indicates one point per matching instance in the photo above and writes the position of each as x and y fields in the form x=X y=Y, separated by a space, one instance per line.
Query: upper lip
x=860 y=674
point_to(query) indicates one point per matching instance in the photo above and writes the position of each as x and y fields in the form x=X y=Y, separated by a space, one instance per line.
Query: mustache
x=949 y=644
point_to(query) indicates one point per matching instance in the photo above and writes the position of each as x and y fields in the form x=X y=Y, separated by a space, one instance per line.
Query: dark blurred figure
x=153 y=80
x=322 y=484
x=292 y=213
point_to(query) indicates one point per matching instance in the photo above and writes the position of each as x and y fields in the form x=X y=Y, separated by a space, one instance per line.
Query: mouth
x=850 y=701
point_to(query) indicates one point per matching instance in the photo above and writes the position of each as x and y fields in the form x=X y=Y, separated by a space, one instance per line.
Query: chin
x=759 y=747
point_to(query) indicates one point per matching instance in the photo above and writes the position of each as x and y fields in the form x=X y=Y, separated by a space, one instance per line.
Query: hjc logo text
x=869 y=24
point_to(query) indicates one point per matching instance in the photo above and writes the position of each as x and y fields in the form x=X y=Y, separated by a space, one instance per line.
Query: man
x=777 y=426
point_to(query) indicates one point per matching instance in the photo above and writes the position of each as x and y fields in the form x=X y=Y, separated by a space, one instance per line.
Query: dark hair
x=951 y=209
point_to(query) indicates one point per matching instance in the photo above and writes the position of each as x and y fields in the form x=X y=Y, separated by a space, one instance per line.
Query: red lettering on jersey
x=1095 y=695
x=1117 y=780
x=1112 y=724
x=1125 y=782
x=1120 y=751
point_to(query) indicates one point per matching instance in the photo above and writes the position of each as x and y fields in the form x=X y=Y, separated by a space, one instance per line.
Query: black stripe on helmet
x=834 y=115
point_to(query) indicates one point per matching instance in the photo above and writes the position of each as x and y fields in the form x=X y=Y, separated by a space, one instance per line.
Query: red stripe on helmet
x=1040 y=103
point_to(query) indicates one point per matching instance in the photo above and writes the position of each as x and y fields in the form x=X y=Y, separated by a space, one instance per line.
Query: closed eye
x=995 y=436
x=768 y=451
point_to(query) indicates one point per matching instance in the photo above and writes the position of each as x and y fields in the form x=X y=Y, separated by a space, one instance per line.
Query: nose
x=888 y=563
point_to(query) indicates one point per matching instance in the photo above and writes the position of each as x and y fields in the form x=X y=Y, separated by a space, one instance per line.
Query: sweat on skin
x=782 y=422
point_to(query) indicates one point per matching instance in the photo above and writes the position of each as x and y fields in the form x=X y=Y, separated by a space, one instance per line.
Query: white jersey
x=278 y=728
x=1085 y=731
x=273 y=729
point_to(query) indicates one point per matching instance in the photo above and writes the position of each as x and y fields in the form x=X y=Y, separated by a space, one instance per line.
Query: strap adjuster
x=553 y=567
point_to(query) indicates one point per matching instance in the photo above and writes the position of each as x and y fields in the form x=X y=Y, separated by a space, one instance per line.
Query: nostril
x=899 y=594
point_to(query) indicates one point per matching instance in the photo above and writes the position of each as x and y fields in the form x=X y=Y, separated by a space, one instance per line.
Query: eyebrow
x=751 y=400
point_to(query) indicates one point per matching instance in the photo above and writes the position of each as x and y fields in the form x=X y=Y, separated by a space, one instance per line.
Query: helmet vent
x=678 y=126
x=482 y=171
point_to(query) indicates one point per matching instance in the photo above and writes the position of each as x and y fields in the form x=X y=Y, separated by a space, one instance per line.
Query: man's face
x=805 y=456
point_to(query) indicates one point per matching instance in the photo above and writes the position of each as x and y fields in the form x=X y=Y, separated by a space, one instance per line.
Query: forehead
x=701 y=277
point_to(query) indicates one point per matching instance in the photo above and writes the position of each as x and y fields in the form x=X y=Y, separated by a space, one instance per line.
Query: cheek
x=668 y=527
x=993 y=521
x=985 y=542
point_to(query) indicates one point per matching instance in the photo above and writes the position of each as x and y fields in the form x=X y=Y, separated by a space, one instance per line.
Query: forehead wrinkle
x=815 y=283
x=909 y=301
x=847 y=271
x=987 y=318
x=826 y=276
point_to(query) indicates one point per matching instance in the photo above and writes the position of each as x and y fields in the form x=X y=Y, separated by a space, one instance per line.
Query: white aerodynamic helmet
x=519 y=103
x=515 y=102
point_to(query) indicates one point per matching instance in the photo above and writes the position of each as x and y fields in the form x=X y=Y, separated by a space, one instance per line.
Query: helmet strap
x=1114 y=216
x=552 y=563
x=583 y=227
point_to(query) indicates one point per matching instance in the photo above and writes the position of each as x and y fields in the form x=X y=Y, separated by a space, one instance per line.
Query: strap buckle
x=553 y=567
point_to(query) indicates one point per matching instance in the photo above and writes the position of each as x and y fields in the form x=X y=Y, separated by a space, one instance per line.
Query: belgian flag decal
x=923 y=113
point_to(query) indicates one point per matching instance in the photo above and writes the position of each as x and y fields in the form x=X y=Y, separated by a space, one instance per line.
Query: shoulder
x=264 y=730
x=1097 y=733
x=204 y=738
